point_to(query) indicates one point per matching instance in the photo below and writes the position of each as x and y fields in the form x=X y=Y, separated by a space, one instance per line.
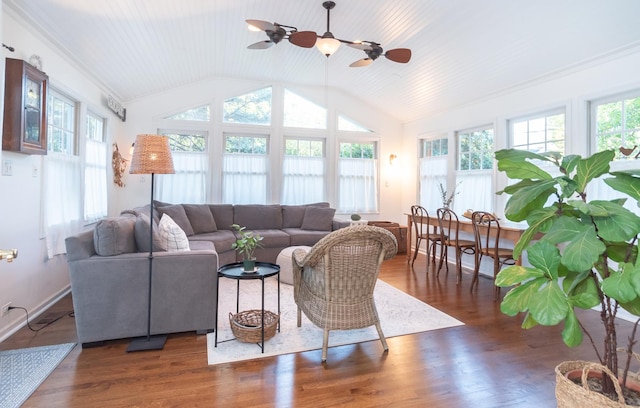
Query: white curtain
x=244 y=179
x=475 y=191
x=358 y=185
x=433 y=170
x=95 y=180
x=63 y=215
x=303 y=180
x=188 y=184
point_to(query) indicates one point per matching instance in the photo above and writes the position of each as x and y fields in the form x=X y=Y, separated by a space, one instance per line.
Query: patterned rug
x=400 y=314
x=23 y=370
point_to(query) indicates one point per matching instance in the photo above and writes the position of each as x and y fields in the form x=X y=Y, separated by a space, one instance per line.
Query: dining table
x=510 y=231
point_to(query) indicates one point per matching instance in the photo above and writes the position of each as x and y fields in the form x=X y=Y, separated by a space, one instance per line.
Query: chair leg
x=415 y=252
x=299 y=317
x=496 y=269
x=382 y=338
x=444 y=255
x=325 y=345
x=476 y=271
x=458 y=265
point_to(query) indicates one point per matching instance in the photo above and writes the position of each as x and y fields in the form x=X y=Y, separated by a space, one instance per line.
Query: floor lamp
x=151 y=155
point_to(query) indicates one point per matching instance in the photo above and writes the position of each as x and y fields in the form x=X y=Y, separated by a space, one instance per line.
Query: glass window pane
x=302 y=113
x=253 y=108
x=349 y=125
x=201 y=113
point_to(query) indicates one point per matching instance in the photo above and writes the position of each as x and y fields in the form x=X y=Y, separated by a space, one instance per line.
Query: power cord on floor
x=70 y=314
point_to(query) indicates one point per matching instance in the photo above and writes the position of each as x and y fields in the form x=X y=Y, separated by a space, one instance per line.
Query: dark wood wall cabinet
x=25 y=108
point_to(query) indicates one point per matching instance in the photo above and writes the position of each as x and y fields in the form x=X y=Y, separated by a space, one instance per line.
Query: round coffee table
x=236 y=271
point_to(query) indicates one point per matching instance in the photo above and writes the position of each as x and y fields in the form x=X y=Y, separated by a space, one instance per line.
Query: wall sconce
x=392 y=159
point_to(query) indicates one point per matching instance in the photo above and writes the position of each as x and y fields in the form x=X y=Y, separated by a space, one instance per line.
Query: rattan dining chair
x=486 y=229
x=333 y=282
x=424 y=231
x=450 y=236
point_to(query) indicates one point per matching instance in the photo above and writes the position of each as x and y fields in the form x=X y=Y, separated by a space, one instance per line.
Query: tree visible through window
x=473 y=178
x=539 y=134
x=245 y=171
x=253 y=108
x=617 y=124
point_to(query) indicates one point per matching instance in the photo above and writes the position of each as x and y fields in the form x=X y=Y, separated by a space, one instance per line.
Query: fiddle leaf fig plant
x=583 y=254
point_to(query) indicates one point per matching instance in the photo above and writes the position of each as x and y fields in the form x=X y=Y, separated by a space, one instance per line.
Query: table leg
x=262 y=345
x=409 y=230
x=238 y=296
x=215 y=319
x=278 y=302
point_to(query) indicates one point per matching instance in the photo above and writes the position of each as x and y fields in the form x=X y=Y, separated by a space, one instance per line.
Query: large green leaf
x=565 y=229
x=512 y=275
x=620 y=224
x=633 y=271
x=632 y=307
x=582 y=290
x=572 y=332
x=519 y=155
x=550 y=305
x=592 y=167
x=528 y=322
x=538 y=221
x=546 y=257
x=625 y=183
x=618 y=286
x=520 y=169
x=569 y=163
x=528 y=199
x=518 y=298
x=622 y=252
x=583 y=250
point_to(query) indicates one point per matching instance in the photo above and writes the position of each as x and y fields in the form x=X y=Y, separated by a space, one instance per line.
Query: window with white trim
x=302 y=113
x=245 y=169
x=253 y=108
x=95 y=168
x=62 y=171
x=473 y=178
x=433 y=154
x=191 y=164
x=357 y=177
x=303 y=171
x=540 y=133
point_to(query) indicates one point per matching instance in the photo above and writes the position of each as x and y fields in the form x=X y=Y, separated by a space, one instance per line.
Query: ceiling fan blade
x=362 y=62
x=401 y=55
x=260 y=45
x=359 y=46
x=262 y=25
x=304 y=39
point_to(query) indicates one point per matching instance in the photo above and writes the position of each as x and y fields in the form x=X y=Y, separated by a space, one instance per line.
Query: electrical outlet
x=5 y=309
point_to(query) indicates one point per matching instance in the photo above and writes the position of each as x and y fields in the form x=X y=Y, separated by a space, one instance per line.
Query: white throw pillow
x=172 y=236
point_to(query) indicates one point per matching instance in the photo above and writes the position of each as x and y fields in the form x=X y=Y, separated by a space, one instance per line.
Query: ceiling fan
x=326 y=43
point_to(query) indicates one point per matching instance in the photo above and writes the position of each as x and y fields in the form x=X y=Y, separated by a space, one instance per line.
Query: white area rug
x=400 y=314
x=23 y=370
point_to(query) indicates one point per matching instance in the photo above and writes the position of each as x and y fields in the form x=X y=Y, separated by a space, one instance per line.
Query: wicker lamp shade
x=151 y=155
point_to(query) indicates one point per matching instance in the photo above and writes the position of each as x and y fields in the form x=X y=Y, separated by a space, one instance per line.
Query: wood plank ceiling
x=463 y=50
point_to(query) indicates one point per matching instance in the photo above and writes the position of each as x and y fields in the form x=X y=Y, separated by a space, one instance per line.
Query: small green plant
x=448 y=199
x=355 y=217
x=587 y=255
x=247 y=243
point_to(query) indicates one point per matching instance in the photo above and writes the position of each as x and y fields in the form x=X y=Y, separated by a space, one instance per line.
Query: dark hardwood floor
x=488 y=362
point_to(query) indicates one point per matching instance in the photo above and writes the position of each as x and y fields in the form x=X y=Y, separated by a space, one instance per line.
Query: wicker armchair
x=333 y=282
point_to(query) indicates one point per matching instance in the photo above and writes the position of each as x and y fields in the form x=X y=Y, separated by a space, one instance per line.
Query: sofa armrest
x=338 y=223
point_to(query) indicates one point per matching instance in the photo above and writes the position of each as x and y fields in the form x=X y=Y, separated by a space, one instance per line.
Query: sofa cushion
x=258 y=217
x=222 y=239
x=318 y=218
x=223 y=215
x=293 y=215
x=178 y=215
x=304 y=237
x=172 y=236
x=200 y=218
x=141 y=233
x=114 y=236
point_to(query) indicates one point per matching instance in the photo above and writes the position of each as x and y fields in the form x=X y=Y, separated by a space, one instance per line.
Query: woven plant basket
x=247 y=326
x=572 y=395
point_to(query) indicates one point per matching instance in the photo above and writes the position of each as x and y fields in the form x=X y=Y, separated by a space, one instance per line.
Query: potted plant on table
x=587 y=256
x=246 y=244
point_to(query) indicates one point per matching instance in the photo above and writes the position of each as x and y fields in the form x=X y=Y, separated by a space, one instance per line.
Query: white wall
x=145 y=116
x=33 y=281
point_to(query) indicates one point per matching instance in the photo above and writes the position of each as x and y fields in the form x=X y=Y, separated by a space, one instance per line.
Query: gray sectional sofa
x=108 y=265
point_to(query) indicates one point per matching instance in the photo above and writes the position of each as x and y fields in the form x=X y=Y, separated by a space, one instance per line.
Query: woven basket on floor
x=572 y=395
x=247 y=326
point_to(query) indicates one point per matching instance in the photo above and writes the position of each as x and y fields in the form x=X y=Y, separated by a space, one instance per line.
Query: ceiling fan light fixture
x=253 y=28
x=327 y=44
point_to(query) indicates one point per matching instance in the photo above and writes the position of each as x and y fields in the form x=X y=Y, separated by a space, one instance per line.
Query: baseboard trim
x=33 y=314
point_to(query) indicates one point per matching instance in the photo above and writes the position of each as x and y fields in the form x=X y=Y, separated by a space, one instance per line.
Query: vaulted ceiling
x=463 y=50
